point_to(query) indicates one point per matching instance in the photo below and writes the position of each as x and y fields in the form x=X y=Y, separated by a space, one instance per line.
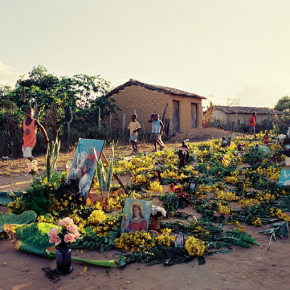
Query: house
x=183 y=110
x=234 y=114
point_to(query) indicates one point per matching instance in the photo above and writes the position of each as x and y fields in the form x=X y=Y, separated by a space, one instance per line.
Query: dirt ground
x=240 y=269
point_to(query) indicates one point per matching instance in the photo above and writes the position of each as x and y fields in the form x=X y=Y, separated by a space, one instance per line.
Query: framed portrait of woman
x=136 y=216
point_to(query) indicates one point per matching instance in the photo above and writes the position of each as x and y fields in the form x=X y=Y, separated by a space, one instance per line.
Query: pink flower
x=77 y=235
x=72 y=228
x=53 y=232
x=69 y=238
x=55 y=240
x=65 y=222
x=34 y=162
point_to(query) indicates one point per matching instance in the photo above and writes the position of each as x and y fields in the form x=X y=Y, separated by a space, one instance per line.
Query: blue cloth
x=252 y=128
x=156 y=127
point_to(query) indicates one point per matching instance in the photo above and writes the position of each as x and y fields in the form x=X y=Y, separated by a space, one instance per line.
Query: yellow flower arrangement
x=96 y=217
x=195 y=247
x=257 y=222
x=165 y=239
x=223 y=209
x=155 y=186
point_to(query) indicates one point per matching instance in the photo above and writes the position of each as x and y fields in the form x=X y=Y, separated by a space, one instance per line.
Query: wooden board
x=175 y=121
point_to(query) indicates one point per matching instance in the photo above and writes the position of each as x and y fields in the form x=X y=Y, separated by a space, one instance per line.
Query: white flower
x=156 y=209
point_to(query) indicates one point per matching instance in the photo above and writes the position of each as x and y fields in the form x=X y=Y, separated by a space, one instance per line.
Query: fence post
x=68 y=125
x=111 y=124
x=123 y=127
x=142 y=119
x=99 y=118
x=164 y=112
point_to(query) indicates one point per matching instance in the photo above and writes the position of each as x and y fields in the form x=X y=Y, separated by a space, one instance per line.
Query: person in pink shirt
x=252 y=123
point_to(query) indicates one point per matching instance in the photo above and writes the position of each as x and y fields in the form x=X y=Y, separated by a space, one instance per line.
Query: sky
x=214 y=48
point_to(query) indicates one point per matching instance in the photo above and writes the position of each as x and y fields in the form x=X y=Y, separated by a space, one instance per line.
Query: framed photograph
x=226 y=141
x=83 y=167
x=192 y=186
x=284 y=178
x=179 y=240
x=136 y=216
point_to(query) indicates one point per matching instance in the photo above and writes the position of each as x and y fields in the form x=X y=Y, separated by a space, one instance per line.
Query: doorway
x=175 y=115
x=193 y=115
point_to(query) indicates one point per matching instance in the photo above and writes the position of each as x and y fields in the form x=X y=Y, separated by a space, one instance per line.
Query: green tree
x=283 y=104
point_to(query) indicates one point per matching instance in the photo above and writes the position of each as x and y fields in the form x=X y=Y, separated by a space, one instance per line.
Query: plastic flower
x=72 y=228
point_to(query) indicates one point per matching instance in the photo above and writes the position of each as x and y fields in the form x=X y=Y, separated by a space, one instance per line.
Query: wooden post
x=161 y=112
x=99 y=118
x=142 y=119
x=123 y=127
x=68 y=125
x=111 y=124
x=164 y=112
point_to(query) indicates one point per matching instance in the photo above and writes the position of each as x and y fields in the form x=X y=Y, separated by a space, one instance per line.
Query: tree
x=233 y=101
x=283 y=104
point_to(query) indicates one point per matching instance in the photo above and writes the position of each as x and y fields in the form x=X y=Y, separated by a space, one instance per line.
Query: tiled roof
x=164 y=90
x=246 y=110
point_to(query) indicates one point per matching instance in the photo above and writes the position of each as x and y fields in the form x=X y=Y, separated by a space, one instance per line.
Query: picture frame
x=179 y=240
x=136 y=216
x=284 y=178
x=83 y=167
x=192 y=185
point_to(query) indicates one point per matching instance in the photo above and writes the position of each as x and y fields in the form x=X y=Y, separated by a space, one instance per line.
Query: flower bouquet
x=31 y=167
x=62 y=238
x=156 y=212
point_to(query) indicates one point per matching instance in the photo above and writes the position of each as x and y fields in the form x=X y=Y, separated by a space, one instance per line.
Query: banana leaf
x=20 y=219
x=104 y=187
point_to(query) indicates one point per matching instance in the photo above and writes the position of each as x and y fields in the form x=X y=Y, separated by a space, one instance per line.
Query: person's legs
x=133 y=146
x=136 y=148
x=155 y=143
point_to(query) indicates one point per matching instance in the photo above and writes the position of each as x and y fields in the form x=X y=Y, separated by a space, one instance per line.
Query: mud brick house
x=183 y=110
x=243 y=114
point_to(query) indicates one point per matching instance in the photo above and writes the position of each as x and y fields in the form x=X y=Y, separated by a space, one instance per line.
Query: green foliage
x=54 y=96
x=13 y=219
x=157 y=255
x=283 y=104
x=93 y=241
x=237 y=238
x=171 y=201
x=34 y=239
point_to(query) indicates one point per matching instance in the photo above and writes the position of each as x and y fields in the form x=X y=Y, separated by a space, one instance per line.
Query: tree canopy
x=283 y=104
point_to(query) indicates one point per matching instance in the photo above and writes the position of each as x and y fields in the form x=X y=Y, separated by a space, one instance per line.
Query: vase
x=63 y=261
x=154 y=223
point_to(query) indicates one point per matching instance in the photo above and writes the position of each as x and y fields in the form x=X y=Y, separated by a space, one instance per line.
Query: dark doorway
x=193 y=115
x=175 y=123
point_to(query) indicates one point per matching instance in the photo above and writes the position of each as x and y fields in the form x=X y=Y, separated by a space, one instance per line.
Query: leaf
x=34 y=238
x=201 y=260
x=13 y=219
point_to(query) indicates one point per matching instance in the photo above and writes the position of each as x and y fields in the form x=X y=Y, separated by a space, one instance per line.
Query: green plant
x=103 y=181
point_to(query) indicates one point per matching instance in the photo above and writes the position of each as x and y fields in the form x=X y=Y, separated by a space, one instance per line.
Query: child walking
x=134 y=127
x=252 y=123
x=157 y=129
x=29 y=128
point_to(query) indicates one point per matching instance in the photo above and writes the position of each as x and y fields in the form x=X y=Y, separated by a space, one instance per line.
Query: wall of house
x=134 y=97
x=185 y=112
x=242 y=117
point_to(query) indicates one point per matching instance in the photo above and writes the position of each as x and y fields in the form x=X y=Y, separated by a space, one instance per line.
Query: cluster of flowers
x=223 y=209
x=67 y=234
x=257 y=222
x=195 y=247
x=31 y=167
x=158 y=210
x=96 y=217
x=279 y=214
x=165 y=239
x=132 y=241
x=155 y=186
x=244 y=202
x=226 y=195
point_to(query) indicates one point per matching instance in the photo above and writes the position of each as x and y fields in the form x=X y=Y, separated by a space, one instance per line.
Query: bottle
x=211 y=149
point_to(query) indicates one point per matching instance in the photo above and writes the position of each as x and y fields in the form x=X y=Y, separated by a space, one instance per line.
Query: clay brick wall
x=134 y=97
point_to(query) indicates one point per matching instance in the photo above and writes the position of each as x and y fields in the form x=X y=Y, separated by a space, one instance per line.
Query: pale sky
x=213 y=48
